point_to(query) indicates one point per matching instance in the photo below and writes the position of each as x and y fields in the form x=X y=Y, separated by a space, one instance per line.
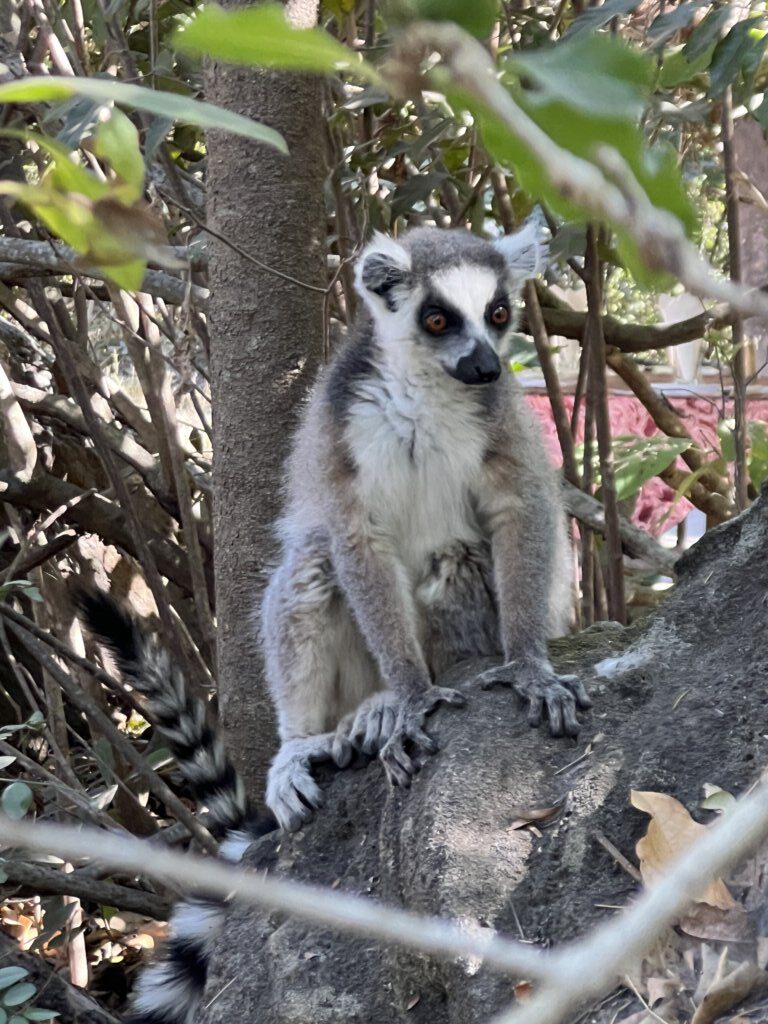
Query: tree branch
x=636 y=542
x=569 y=323
x=37 y=878
x=92 y=513
x=55 y=257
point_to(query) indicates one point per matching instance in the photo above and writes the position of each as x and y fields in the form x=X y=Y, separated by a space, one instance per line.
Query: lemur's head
x=446 y=297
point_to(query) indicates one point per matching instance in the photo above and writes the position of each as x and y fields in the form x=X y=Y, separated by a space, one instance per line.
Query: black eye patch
x=497 y=312
x=438 y=308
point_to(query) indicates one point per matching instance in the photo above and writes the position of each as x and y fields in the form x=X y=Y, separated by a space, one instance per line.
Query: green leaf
x=666 y=25
x=117 y=141
x=415 y=189
x=262 y=36
x=64 y=172
x=40 y=1013
x=718 y=800
x=52 y=88
x=708 y=32
x=10 y=975
x=596 y=74
x=596 y=17
x=16 y=800
x=581 y=110
x=5 y=761
x=678 y=68
x=757 y=462
x=638 y=459
x=3 y=1016
x=737 y=55
x=19 y=994
x=476 y=18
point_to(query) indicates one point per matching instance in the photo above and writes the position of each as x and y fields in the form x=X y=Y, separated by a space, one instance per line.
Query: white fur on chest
x=419 y=450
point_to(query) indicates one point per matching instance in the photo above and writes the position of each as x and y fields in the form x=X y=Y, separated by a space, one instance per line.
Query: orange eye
x=500 y=316
x=435 y=323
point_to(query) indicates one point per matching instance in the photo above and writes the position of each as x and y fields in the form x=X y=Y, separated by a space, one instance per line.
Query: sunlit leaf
x=36 y=88
x=262 y=36
x=671 y=832
x=117 y=141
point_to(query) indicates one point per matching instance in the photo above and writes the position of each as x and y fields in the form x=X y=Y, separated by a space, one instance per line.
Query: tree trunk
x=751 y=152
x=266 y=346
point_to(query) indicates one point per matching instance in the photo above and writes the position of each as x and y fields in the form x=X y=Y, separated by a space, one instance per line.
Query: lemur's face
x=462 y=317
x=445 y=298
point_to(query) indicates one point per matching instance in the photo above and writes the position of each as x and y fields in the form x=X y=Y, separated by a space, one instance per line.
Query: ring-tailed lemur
x=423 y=523
x=170 y=990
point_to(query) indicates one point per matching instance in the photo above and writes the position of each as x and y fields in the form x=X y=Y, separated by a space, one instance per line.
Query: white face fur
x=457 y=319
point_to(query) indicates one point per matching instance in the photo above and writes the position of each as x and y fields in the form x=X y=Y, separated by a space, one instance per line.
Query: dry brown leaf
x=523 y=990
x=658 y=989
x=670 y=833
x=539 y=815
x=729 y=991
x=706 y=922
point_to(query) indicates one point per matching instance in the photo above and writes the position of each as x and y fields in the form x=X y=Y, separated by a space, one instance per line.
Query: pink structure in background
x=628 y=416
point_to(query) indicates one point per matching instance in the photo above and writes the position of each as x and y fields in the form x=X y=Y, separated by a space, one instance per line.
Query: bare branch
x=569 y=323
x=93 y=514
x=635 y=541
x=55 y=257
x=37 y=878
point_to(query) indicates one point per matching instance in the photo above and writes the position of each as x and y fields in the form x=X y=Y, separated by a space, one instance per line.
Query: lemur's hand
x=400 y=763
x=535 y=681
x=366 y=729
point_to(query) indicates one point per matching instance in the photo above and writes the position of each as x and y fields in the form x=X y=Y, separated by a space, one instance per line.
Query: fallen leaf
x=523 y=990
x=729 y=991
x=524 y=816
x=413 y=1001
x=670 y=833
x=707 y=922
x=660 y=988
x=716 y=799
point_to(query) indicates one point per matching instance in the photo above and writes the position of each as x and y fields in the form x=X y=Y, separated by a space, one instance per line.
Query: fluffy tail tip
x=110 y=624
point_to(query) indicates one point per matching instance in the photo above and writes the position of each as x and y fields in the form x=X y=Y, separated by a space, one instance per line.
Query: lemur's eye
x=500 y=314
x=435 y=322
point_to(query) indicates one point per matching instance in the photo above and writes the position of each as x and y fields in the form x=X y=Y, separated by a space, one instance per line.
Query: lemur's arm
x=375 y=584
x=521 y=510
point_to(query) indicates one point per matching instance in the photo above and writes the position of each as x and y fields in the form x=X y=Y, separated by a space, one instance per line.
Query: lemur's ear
x=383 y=273
x=527 y=250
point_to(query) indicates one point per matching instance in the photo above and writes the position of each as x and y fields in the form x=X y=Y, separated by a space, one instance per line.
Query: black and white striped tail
x=170 y=991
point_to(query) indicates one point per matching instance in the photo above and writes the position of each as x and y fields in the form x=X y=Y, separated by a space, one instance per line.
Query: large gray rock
x=685 y=704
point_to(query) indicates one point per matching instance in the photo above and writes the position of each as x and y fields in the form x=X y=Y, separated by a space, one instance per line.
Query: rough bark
x=751 y=151
x=266 y=344
x=684 y=707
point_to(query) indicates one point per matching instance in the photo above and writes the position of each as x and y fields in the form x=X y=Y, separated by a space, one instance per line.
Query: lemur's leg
x=317 y=669
x=456 y=606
